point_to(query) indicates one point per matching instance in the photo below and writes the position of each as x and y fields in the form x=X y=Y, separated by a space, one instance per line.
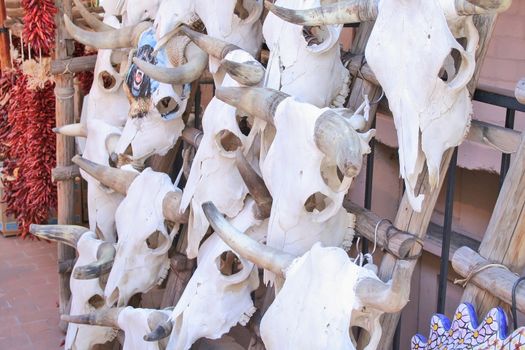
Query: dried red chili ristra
x=39 y=25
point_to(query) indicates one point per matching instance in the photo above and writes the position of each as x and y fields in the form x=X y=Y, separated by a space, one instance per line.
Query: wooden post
x=417 y=223
x=64 y=93
x=5 y=56
x=504 y=240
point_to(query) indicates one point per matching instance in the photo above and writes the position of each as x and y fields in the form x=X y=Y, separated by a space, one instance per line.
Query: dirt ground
x=28 y=295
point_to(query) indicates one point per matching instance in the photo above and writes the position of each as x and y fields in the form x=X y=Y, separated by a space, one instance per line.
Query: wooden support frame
x=64 y=92
x=497 y=280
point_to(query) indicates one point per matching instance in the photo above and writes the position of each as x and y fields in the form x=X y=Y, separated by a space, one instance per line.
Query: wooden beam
x=397 y=242
x=65 y=148
x=5 y=54
x=504 y=240
x=64 y=173
x=497 y=281
x=417 y=223
x=73 y=65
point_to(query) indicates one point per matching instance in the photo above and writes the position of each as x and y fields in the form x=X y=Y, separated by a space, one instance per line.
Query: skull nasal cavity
x=107 y=80
x=167 y=105
x=316 y=201
x=228 y=263
x=229 y=141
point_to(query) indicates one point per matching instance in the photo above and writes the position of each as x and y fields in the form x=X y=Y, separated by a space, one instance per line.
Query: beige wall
x=476 y=182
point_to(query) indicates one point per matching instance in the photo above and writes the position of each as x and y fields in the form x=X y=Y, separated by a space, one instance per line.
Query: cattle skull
x=302 y=58
x=142 y=259
x=431 y=115
x=102 y=202
x=217 y=296
x=221 y=143
x=156 y=106
x=234 y=21
x=311 y=146
x=133 y=322
x=321 y=318
x=86 y=295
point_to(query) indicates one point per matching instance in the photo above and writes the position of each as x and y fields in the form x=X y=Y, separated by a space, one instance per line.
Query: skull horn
x=106 y=318
x=162 y=327
x=116 y=39
x=339 y=142
x=492 y=5
x=91 y=19
x=197 y=60
x=258 y=102
x=247 y=73
x=352 y=11
x=116 y=179
x=67 y=234
x=105 y=258
x=266 y=257
x=256 y=186
x=213 y=46
x=387 y=297
x=74 y=130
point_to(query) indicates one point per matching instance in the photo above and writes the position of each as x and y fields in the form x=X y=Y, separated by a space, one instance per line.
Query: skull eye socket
x=156 y=240
x=317 y=202
x=167 y=105
x=331 y=175
x=107 y=80
x=450 y=66
x=228 y=141
x=228 y=263
x=97 y=301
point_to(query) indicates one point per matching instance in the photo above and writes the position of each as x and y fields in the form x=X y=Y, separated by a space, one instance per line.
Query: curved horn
x=339 y=142
x=197 y=60
x=162 y=327
x=256 y=186
x=171 y=208
x=116 y=179
x=74 y=130
x=266 y=257
x=258 y=102
x=105 y=258
x=247 y=73
x=106 y=317
x=492 y=5
x=67 y=234
x=213 y=46
x=116 y=39
x=91 y=19
x=350 y=11
x=387 y=297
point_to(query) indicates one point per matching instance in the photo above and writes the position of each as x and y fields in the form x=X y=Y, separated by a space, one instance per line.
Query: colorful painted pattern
x=465 y=333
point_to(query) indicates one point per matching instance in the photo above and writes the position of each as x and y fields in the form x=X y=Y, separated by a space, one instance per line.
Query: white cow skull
x=217 y=296
x=86 y=294
x=132 y=11
x=158 y=93
x=301 y=168
x=142 y=250
x=102 y=202
x=222 y=19
x=216 y=159
x=134 y=322
x=406 y=55
x=305 y=61
x=322 y=316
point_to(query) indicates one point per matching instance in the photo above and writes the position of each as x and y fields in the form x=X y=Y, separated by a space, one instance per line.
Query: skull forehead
x=140 y=10
x=134 y=323
x=87 y=248
x=140 y=213
x=327 y=306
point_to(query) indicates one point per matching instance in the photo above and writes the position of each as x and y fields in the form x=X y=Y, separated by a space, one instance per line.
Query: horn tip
x=269 y=5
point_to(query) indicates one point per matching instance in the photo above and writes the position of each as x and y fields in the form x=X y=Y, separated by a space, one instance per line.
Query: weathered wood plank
x=73 y=65
x=65 y=173
x=496 y=280
x=504 y=240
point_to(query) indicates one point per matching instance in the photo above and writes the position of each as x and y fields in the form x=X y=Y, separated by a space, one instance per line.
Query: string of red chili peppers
x=39 y=25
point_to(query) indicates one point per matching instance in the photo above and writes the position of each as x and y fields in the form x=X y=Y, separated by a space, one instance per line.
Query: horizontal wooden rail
x=497 y=281
x=64 y=173
x=74 y=65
